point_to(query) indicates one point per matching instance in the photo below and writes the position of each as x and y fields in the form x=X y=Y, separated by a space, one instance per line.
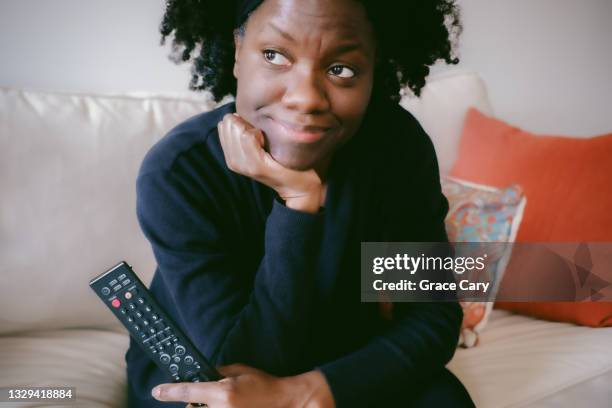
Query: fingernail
x=155 y=392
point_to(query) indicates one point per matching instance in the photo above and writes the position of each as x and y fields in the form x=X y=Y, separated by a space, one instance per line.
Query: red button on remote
x=116 y=303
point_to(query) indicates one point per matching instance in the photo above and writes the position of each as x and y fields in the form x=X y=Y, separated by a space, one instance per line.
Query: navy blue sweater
x=252 y=281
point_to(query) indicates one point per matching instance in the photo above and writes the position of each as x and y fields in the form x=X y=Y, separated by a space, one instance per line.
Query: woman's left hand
x=243 y=386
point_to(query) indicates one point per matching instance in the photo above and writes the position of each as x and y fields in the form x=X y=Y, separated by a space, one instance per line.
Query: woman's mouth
x=298 y=133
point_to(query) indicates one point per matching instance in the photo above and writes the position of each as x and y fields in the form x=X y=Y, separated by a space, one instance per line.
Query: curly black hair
x=411 y=35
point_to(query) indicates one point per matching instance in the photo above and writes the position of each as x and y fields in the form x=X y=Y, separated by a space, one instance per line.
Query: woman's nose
x=306 y=93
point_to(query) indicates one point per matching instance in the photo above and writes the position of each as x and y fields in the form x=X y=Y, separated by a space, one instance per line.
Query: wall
x=547 y=63
x=86 y=45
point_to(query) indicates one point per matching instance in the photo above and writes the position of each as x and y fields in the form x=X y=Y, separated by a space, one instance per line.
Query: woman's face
x=305 y=70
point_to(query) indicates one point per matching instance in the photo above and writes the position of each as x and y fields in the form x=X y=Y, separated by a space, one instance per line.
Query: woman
x=256 y=210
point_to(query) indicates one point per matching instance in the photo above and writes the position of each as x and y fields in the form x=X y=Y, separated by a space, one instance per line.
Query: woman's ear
x=238 y=46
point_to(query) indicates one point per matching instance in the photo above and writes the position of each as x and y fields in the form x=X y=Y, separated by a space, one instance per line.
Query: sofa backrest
x=441 y=109
x=68 y=166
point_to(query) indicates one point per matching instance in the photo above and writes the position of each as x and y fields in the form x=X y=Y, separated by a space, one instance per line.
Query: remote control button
x=164 y=358
x=151 y=330
x=167 y=344
x=112 y=283
x=180 y=350
x=136 y=327
x=126 y=282
x=154 y=317
x=173 y=368
x=130 y=320
x=177 y=359
x=105 y=291
x=116 y=303
x=145 y=322
x=188 y=360
x=138 y=315
x=140 y=300
x=143 y=336
x=122 y=276
x=132 y=306
x=123 y=311
x=116 y=288
x=128 y=295
x=147 y=309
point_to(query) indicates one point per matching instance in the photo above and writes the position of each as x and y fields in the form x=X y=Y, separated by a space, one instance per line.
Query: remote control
x=132 y=303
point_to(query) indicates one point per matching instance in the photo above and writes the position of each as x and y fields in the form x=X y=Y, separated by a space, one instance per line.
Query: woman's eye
x=342 y=71
x=275 y=57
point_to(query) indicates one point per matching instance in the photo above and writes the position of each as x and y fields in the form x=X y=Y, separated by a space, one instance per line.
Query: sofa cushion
x=68 y=166
x=479 y=213
x=566 y=180
x=521 y=360
x=567 y=184
x=92 y=361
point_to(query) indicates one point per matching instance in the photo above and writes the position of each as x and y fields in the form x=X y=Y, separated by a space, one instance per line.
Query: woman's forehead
x=343 y=20
x=346 y=9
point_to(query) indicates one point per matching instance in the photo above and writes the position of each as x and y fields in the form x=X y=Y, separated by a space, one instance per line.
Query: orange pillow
x=592 y=314
x=567 y=182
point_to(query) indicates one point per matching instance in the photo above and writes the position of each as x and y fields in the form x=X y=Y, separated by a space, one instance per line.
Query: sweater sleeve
x=229 y=315
x=422 y=337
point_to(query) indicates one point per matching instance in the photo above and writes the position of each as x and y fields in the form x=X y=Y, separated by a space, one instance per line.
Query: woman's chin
x=292 y=160
x=293 y=163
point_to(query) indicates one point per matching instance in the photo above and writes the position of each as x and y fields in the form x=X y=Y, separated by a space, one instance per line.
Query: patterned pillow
x=479 y=213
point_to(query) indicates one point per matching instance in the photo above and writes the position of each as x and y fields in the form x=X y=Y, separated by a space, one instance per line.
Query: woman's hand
x=243 y=148
x=248 y=387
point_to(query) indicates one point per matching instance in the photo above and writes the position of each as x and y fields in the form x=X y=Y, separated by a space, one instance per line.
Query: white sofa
x=67 y=171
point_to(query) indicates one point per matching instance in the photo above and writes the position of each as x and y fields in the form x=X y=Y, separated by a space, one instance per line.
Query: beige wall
x=548 y=63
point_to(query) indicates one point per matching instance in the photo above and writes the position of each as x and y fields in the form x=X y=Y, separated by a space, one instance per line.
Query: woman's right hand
x=243 y=148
